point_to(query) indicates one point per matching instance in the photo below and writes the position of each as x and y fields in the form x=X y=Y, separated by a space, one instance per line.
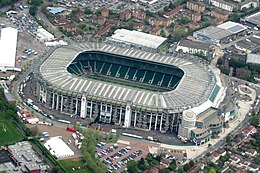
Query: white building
x=249 y=4
x=193 y=47
x=8 y=43
x=58 y=147
x=222 y=4
x=137 y=38
x=44 y=35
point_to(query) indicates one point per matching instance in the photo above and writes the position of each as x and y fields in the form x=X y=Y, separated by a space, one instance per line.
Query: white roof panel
x=8 y=42
x=138 y=38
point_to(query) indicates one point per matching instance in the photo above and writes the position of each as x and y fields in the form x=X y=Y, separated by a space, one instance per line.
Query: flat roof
x=214 y=32
x=58 y=147
x=194 y=44
x=56 y=10
x=254 y=19
x=138 y=38
x=232 y=27
x=8 y=43
x=253 y=58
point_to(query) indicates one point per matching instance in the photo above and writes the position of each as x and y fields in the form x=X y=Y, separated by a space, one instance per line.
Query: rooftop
x=254 y=19
x=194 y=44
x=138 y=38
x=56 y=10
x=232 y=27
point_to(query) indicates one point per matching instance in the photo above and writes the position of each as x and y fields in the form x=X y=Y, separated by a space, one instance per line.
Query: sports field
x=8 y=132
x=77 y=165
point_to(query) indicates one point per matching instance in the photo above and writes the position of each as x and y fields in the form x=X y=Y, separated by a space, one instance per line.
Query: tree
x=172 y=166
x=255 y=121
x=164 y=171
x=32 y=10
x=212 y=170
x=257 y=160
x=87 y=11
x=191 y=163
x=180 y=170
x=132 y=166
x=178 y=34
x=186 y=167
x=166 y=9
x=35 y=2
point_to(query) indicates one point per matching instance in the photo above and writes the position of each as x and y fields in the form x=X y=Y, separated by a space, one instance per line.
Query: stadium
x=126 y=87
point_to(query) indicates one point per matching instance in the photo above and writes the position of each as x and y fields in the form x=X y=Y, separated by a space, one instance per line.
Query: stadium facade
x=127 y=87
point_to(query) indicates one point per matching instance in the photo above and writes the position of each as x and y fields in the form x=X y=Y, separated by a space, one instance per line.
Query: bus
x=64 y=121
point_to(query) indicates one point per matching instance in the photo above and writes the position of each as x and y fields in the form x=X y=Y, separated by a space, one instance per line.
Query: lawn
x=69 y=164
x=11 y=135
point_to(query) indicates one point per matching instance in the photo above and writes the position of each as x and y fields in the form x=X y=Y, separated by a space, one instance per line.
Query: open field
x=69 y=164
x=8 y=133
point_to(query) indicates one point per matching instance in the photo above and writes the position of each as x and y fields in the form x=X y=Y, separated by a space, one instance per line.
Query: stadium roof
x=191 y=91
x=232 y=27
x=138 y=38
x=8 y=42
x=254 y=19
x=58 y=147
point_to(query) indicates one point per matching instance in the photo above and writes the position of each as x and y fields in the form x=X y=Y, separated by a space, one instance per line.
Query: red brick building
x=105 y=30
x=194 y=17
x=155 y=31
x=112 y=22
x=193 y=25
x=126 y=15
x=105 y=12
x=139 y=14
x=99 y=20
x=78 y=15
x=61 y=20
x=196 y=6
x=137 y=25
x=219 y=14
x=173 y=12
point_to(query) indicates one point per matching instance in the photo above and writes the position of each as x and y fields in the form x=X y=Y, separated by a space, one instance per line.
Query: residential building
x=139 y=14
x=138 y=25
x=70 y=27
x=155 y=31
x=125 y=15
x=60 y=20
x=228 y=6
x=180 y=27
x=105 y=30
x=249 y=130
x=155 y=21
x=173 y=12
x=112 y=22
x=194 y=17
x=253 y=167
x=105 y=12
x=249 y=4
x=194 y=25
x=251 y=152
x=78 y=15
x=166 y=22
x=196 y=6
x=99 y=20
x=216 y=154
x=219 y=14
x=193 y=47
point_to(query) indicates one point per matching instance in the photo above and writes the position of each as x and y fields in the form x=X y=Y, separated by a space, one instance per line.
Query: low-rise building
x=105 y=30
x=105 y=12
x=219 y=14
x=228 y=6
x=70 y=27
x=196 y=6
x=60 y=20
x=125 y=15
x=155 y=31
x=249 y=130
x=193 y=47
x=194 y=17
x=77 y=15
x=249 y=4
x=173 y=12
x=251 y=152
x=112 y=22
x=139 y=14
x=253 y=167
x=99 y=20
x=194 y=25
x=138 y=25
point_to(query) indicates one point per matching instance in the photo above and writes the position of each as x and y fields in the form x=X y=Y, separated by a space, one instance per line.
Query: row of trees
x=89 y=143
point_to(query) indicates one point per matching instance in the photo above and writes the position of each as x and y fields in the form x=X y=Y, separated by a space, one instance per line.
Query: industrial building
x=193 y=47
x=127 y=87
x=217 y=34
x=20 y=158
x=252 y=20
x=8 y=43
x=249 y=45
x=136 y=38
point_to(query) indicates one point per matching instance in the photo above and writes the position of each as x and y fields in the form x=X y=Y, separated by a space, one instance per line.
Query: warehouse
x=252 y=20
x=137 y=38
x=218 y=34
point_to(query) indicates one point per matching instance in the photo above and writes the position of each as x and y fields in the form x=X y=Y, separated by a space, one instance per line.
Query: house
x=155 y=21
x=195 y=17
x=99 y=20
x=70 y=27
x=105 y=30
x=193 y=47
x=234 y=159
x=225 y=5
x=77 y=15
x=125 y=15
x=139 y=14
x=253 y=167
x=216 y=154
x=166 y=22
x=251 y=152
x=196 y=6
x=61 y=20
x=138 y=25
x=105 y=12
x=241 y=171
x=173 y=12
x=219 y=14
x=243 y=164
x=249 y=130
x=194 y=25
x=112 y=22
x=155 y=31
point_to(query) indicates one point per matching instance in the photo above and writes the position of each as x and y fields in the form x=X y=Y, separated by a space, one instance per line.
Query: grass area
x=69 y=164
x=11 y=135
